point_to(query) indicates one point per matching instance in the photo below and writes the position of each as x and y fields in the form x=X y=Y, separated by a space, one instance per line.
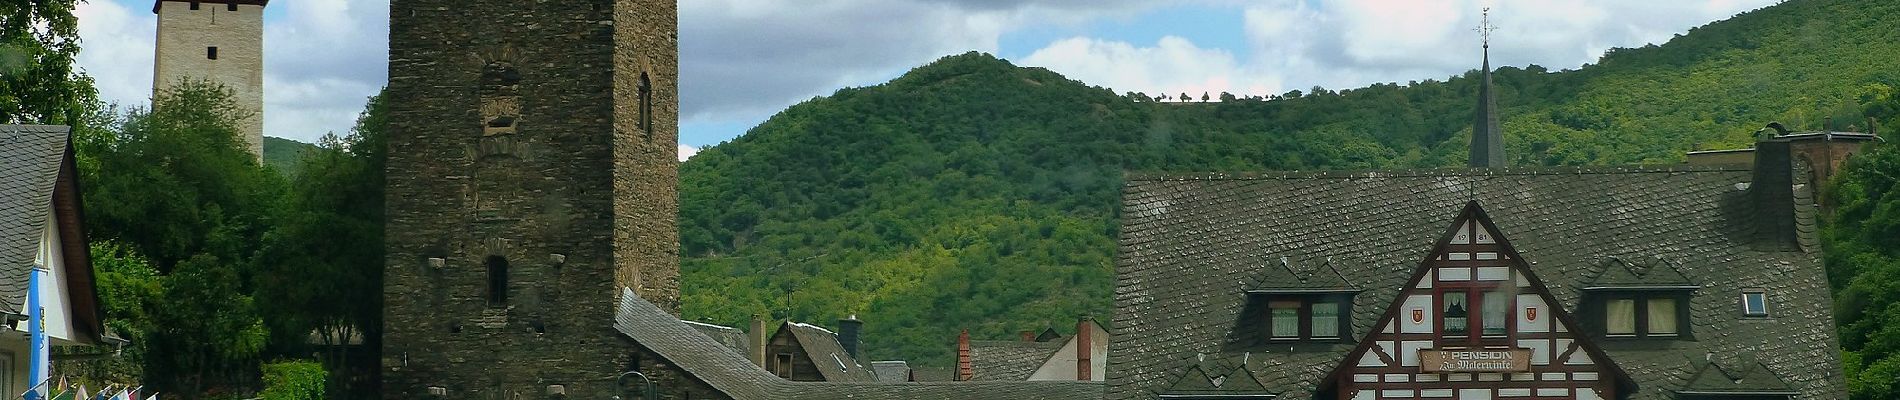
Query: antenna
x=1485 y=27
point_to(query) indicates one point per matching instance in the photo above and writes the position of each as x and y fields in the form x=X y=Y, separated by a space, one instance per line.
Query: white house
x=40 y=229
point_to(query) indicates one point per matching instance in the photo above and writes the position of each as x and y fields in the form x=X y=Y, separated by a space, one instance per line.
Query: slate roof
x=1191 y=245
x=1008 y=360
x=822 y=347
x=730 y=373
x=726 y=335
x=30 y=157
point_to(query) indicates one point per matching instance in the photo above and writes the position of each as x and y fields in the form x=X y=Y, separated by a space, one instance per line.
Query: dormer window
x=1291 y=317
x=1293 y=303
x=1638 y=313
x=1638 y=298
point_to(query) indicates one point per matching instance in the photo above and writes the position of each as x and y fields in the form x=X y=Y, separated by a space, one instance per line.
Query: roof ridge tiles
x=1429 y=172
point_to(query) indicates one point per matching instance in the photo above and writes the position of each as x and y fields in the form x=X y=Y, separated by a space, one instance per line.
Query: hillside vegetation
x=972 y=193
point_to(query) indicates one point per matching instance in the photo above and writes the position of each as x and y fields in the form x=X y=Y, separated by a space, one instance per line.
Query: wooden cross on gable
x=1485 y=27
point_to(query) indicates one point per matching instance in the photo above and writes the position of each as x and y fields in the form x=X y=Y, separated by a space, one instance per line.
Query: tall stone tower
x=221 y=41
x=531 y=175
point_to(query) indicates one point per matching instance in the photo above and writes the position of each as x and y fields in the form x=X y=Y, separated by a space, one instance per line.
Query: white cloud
x=687 y=152
x=116 y=50
x=322 y=61
x=1297 y=44
x=1172 y=67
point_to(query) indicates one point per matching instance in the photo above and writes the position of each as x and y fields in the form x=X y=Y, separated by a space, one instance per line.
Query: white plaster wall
x=1061 y=365
x=183 y=36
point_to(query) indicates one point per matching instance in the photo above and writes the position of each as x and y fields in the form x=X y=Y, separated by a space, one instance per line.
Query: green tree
x=1862 y=240
x=184 y=208
x=38 y=40
x=327 y=254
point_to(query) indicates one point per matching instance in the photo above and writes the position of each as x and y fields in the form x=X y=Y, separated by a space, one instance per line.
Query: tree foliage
x=1862 y=246
x=38 y=40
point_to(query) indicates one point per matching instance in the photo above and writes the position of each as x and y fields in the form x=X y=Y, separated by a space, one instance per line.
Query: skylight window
x=1755 y=304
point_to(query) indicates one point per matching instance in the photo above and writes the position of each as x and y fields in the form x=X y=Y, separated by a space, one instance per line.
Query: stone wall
x=185 y=37
x=519 y=158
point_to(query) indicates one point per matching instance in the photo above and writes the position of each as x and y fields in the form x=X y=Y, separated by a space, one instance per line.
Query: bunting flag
x=154 y=396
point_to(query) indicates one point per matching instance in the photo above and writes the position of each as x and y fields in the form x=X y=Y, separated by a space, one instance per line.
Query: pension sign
x=1442 y=361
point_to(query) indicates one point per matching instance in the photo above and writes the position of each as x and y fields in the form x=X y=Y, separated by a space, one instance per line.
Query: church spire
x=1487 y=137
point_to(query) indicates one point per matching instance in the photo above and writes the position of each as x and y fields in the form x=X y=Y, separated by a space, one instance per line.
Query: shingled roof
x=731 y=374
x=1008 y=360
x=726 y=335
x=29 y=165
x=1191 y=246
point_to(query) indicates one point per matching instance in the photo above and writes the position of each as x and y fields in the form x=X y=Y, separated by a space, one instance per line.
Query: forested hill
x=972 y=193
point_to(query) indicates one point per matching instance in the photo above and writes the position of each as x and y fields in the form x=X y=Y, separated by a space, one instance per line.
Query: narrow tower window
x=231 y=6
x=497 y=281
x=194 y=5
x=646 y=104
x=211 y=53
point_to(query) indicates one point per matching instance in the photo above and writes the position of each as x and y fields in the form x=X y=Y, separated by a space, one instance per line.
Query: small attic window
x=231 y=6
x=1638 y=314
x=194 y=5
x=1289 y=317
x=1755 y=304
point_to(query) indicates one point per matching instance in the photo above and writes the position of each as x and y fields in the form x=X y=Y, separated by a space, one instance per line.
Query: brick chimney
x=964 y=372
x=755 y=340
x=1084 y=349
x=1028 y=336
x=849 y=334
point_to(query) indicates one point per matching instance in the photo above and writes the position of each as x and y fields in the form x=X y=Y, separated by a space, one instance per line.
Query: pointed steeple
x=1487 y=137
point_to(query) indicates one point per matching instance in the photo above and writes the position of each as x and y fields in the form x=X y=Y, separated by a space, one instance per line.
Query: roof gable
x=821 y=346
x=1473 y=229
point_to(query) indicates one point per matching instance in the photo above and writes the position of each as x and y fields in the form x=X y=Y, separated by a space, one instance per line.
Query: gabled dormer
x=1294 y=302
x=1645 y=297
x=1747 y=379
x=1217 y=378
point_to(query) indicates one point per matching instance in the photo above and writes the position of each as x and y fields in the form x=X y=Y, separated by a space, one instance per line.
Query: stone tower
x=221 y=41
x=531 y=175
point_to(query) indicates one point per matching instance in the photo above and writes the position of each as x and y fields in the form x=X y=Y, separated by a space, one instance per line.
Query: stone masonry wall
x=516 y=139
x=184 y=36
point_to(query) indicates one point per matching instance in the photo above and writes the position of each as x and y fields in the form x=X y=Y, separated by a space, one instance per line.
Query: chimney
x=756 y=341
x=1028 y=336
x=1085 y=349
x=848 y=334
x=964 y=372
x=1772 y=194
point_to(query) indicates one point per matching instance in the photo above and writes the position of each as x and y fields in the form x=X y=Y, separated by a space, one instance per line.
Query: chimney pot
x=1028 y=336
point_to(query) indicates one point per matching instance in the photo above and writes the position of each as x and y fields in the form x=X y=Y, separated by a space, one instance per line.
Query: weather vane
x=1485 y=27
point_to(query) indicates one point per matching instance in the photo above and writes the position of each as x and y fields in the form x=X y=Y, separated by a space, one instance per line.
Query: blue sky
x=744 y=60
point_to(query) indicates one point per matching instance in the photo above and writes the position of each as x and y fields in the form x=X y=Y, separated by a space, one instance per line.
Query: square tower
x=221 y=41
x=532 y=170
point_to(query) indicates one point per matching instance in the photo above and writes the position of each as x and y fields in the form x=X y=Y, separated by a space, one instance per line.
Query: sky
x=745 y=60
